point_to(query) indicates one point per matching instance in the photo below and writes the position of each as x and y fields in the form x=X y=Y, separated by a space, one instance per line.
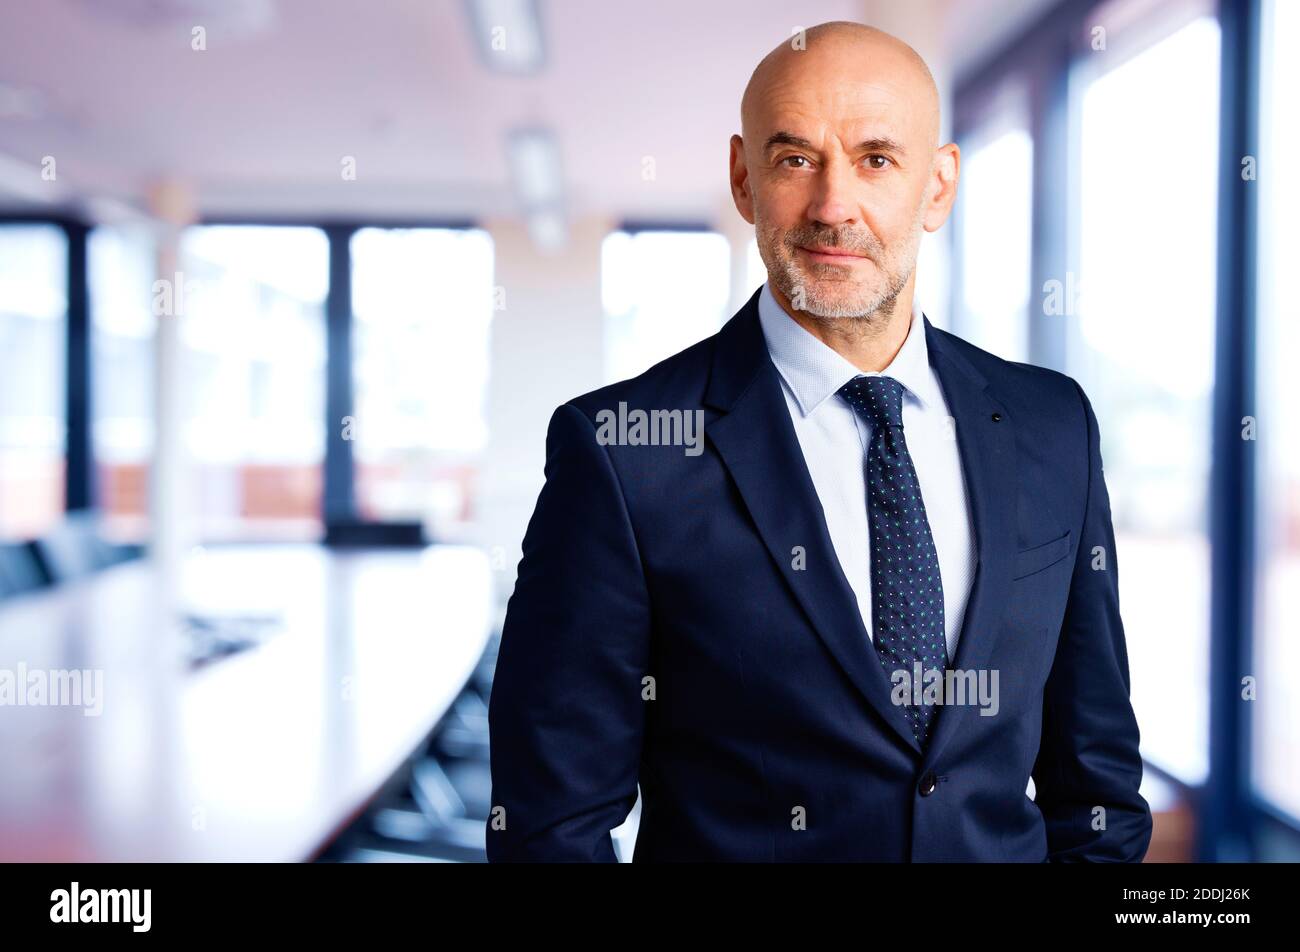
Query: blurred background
x=289 y=290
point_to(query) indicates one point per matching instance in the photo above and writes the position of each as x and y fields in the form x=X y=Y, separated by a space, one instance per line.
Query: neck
x=869 y=344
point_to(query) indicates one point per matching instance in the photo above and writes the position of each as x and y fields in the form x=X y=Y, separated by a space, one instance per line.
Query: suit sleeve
x=1089 y=756
x=566 y=716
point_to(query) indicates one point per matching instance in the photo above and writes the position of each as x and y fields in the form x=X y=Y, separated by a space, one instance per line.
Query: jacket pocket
x=1029 y=561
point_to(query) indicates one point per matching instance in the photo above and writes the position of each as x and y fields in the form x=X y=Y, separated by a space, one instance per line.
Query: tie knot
x=879 y=399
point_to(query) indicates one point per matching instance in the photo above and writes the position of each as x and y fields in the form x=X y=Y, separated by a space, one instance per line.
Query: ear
x=942 y=186
x=740 y=192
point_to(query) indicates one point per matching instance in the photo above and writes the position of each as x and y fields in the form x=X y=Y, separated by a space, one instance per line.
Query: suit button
x=927 y=783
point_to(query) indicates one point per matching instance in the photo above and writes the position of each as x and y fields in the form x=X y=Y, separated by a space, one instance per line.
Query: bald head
x=841 y=50
x=839 y=169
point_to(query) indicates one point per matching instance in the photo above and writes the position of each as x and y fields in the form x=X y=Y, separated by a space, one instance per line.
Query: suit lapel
x=988 y=460
x=755 y=439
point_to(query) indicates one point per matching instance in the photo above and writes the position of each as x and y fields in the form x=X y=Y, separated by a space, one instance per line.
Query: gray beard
x=880 y=308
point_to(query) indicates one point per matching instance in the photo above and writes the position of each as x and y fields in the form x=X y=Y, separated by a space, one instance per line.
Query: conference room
x=290 y=292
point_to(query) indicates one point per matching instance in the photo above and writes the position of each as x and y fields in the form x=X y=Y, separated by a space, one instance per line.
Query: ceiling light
x=534 y=158
x=508 y=34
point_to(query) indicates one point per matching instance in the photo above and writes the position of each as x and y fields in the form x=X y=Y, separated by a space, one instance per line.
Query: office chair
x=438 y=809
x=74 y=549
x=20 y=569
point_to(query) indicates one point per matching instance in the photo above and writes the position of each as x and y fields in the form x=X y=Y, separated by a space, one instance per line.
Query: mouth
x=825 y=254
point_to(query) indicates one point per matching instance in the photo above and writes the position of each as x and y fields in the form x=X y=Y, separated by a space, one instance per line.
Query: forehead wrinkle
x=876 y=120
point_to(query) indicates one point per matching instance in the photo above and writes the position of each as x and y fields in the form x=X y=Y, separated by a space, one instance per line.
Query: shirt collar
x=815 y=371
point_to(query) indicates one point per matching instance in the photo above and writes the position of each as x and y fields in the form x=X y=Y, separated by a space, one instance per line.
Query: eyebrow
x=874 y=144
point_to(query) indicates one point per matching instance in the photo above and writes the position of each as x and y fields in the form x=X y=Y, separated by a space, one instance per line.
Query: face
x=839 y=175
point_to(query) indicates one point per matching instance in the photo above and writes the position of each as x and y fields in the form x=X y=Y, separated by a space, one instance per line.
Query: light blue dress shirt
x=834 y=440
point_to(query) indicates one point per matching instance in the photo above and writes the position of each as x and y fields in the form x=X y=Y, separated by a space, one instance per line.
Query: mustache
x=857 y=243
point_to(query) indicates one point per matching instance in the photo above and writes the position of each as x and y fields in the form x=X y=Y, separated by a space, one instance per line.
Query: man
x=876 y=601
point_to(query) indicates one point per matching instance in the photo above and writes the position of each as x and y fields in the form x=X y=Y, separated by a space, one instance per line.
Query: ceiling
x=260 y=121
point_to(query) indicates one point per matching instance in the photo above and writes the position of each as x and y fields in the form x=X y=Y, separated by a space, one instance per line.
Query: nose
x=832 y=201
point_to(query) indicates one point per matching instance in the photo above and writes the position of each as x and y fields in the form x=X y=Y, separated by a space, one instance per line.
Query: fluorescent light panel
x=508 y=34
x=534 y=158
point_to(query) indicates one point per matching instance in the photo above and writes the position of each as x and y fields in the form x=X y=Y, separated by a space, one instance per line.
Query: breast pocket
x=1039 y=557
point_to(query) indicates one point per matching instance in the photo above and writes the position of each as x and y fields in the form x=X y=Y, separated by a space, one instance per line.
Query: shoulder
x=1054 y=419
x=1033 y=392
x=675 y=383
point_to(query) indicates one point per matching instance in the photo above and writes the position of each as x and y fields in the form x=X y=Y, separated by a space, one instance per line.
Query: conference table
x=263 y=754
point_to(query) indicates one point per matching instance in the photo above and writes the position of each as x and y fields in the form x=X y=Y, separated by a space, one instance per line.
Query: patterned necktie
x=906 y=588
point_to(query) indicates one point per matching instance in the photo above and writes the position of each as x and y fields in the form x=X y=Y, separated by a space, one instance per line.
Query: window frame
x=340 y=515
x=78 y=483
x=338 y=499
x=1232 y=817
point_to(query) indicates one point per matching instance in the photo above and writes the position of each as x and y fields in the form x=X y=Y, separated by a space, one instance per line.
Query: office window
x=422 y=301
x=121 y=275
x=252 y=326
x=1276 y=741
x=662 y=291
x=33 y=371
x=1140 y=314
x=994 y=223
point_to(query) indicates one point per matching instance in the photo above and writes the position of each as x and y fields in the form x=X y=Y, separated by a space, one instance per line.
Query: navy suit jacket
x=681 y=621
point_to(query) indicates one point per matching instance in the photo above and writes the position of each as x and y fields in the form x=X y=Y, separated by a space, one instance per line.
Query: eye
x=884 y=160
x=791 y=158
